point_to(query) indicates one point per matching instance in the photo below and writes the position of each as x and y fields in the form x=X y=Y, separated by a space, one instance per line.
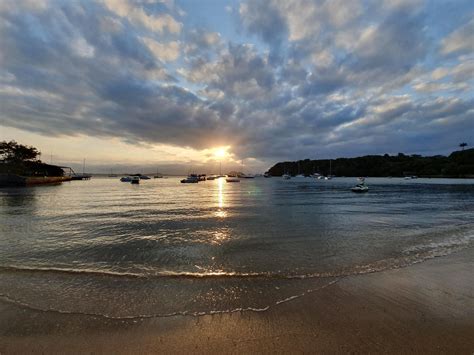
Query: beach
x=424 y=308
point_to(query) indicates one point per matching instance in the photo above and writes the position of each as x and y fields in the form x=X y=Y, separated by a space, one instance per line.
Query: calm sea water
x=108 y=248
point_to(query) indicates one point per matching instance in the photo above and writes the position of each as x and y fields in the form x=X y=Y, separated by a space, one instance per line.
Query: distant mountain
x=457 y=164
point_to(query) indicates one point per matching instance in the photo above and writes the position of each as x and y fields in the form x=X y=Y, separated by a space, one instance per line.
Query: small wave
x=455 y=242
x=409 y=256
x=22 y=304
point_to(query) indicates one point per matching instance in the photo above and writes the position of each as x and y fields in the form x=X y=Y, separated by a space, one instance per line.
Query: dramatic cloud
x=272 y=79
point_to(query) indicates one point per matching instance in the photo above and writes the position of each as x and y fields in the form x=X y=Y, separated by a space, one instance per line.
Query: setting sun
x=220 y=152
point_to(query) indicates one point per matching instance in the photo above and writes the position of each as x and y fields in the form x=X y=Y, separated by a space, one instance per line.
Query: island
x=459 y=164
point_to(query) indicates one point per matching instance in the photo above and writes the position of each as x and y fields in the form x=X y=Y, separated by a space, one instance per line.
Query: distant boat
x=330 y=176
x=242 y=175
x=361 y=186
x=135 y=180
x=267 y=175
x=126 y=179
x=191 y=179
x=144 y=177
x=232 y=179
x=286 y=176
x=211 y=177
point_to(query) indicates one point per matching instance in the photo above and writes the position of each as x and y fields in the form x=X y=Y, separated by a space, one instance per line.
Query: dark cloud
x=331 y=78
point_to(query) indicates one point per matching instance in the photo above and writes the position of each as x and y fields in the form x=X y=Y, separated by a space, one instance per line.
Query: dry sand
x=424 y=308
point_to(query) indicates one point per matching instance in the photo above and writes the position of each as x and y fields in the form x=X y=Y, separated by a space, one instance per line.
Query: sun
x=220 y=152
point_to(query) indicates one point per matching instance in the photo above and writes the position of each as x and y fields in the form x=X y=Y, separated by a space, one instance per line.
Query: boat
x=135 y=180
x=190 y=179
x=232 y=179
x=144 y=177
x=286 y=176
x=126 y=179
x=330 y=176
x=267 y=175
x=211 y=177
x=360 y=187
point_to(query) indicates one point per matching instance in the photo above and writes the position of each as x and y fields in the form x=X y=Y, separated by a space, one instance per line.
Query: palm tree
x=463 y=145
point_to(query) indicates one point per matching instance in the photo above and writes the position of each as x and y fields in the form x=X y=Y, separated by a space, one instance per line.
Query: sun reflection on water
x=220 y=213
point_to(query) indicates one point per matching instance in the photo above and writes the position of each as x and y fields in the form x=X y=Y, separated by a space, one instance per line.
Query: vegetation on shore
x=458 y=164
x=24 y=160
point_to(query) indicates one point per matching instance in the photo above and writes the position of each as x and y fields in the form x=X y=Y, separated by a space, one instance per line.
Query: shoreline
x=426 y=307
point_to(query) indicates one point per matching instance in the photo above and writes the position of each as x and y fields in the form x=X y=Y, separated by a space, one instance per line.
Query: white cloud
x=460 y=40
x=164 y=51
x=137 y=15
x=81 y=48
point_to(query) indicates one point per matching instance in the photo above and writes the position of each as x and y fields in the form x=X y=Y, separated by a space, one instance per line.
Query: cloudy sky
x=170 y=83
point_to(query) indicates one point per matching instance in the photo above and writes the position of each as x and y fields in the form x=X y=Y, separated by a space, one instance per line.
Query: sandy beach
x=425 y=308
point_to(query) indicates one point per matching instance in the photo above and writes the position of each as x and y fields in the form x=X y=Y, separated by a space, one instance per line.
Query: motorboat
x=135 y=180
x=232 y=179
x=126 y=179
x=192 y=178
x=144 y=177
x=286 y=176
x=360 y=187
x=211 y=177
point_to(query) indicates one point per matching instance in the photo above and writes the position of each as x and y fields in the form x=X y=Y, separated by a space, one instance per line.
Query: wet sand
x=424 y=308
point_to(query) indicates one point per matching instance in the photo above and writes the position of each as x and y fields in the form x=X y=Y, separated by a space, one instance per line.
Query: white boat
x=299 y=176
x=286 y=176
x=126 y=179
x=361 y=186
x=232 y=179
x=135 y=180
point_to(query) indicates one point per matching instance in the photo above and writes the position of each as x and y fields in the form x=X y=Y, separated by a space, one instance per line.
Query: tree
x=463 y=145
x=12 y=152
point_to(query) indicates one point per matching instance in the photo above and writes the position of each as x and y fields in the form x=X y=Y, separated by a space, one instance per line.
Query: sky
x=180 y=85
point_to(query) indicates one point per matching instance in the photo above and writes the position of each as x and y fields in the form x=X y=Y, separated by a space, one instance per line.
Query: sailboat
x=299 y=175
x=158 y=175
x=243 y=175
x=329 y=177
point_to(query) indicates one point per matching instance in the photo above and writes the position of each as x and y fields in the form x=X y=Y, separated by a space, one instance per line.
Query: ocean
x=161 y=248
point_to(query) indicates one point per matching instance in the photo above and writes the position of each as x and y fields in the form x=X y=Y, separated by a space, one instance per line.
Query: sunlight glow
x=220 y=152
